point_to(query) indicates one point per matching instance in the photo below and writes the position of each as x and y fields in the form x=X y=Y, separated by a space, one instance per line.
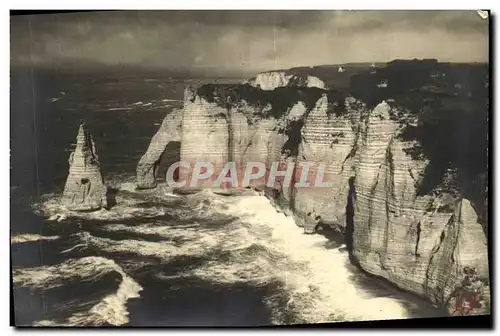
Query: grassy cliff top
x=422 y=80
x=281 y=98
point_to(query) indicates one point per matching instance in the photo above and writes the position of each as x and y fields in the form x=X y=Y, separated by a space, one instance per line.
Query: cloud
x=246 y=40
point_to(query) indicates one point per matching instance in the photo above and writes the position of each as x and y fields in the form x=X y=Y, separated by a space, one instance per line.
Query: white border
x=185 y=4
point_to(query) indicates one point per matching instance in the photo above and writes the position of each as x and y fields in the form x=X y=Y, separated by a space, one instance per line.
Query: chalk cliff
x=411 y=206
x=416 y=241
x=208 y=137
x=84 y=189
x=273 y=79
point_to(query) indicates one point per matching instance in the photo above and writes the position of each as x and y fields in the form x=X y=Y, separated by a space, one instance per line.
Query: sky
x=247 y=41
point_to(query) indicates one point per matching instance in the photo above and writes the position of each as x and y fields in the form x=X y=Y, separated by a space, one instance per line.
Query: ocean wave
x=110 y=309
x=119 y=109
x=318 y=280
x=233 y=240
x=30 y=237
x=129 y=206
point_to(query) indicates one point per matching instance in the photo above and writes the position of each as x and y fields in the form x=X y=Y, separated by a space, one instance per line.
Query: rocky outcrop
x=273 y=79
x=84 y=189
x=410 y=205
x=163 y=151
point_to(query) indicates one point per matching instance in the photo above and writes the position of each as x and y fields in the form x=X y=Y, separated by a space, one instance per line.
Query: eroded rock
x=84 y=189
x=412 y=240
x=205 y=136
x=163 y=150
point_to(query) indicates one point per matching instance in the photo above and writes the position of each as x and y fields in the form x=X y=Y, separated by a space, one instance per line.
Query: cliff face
x=273 y=79
x=417 y=242
x=327 y=139
x=84 y=189
x=399 y=189
x=249 y=138
x=205 y=136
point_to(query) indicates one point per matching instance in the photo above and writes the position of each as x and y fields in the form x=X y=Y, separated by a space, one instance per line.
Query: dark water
x=179 y=301
x=42 y=130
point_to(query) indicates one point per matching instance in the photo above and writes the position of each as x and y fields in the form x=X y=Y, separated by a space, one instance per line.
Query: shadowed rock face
x=404 y=153
x=84 y=189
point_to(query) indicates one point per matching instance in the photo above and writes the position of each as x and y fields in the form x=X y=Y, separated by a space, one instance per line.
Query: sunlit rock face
x=273 y=79
x=409 y=239
x=282 y=147
x=205 y=137
x=408 y=214
x=84 y=189
x=163 y=151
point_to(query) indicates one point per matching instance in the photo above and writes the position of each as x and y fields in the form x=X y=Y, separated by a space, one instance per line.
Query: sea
x=158 y=258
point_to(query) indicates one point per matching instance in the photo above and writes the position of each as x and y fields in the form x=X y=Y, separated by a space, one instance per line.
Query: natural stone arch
x=170 y=155
x=163 y=150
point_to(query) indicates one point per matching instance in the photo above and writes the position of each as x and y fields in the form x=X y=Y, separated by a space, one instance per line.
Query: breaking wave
x=107 y=307
x=161 y=245
x=30 y=237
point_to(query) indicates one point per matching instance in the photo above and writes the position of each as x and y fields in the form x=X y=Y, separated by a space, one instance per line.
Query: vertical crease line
x=35 y=148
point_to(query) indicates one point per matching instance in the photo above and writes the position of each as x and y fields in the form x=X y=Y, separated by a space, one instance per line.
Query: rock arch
x=163 y=150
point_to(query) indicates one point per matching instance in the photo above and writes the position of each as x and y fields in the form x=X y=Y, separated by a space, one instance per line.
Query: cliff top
x=280 y=99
